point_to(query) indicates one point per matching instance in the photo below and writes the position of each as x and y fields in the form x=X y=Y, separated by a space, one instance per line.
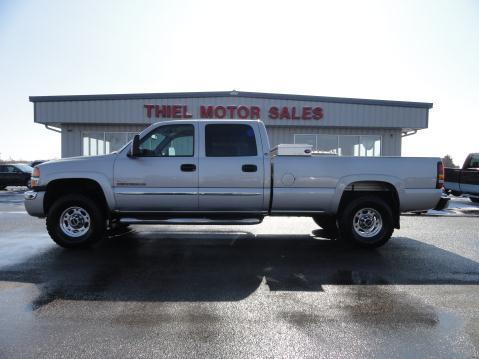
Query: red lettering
x=317 y=113
x=220 y=112
x=231 y=110
x=243 y=112
x=176 y=113
x=185 y=113
x=206 y=112
x=293 y=114
x=306 y=113
x=160 y=111
x=273 y=113
x=254 y=112
x=149 y=108
x=284 y=114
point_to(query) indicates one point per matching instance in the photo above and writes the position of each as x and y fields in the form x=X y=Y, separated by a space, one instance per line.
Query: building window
x=100 y=143
x=342 y=145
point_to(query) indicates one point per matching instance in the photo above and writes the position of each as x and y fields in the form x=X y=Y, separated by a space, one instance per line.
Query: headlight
x=35 y=177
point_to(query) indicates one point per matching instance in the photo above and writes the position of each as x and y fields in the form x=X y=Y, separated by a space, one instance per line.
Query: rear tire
x=474 y=199
x=366 y=222
x=75 y=221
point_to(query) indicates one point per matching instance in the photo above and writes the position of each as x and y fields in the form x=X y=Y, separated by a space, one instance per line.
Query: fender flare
x=345 y=181
x=101 y=179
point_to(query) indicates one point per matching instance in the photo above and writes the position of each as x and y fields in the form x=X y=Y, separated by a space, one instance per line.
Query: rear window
x=224 y=140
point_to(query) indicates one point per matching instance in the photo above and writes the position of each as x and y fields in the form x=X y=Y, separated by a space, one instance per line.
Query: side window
x=474 y=163
x=169 y=141
x=224 y=140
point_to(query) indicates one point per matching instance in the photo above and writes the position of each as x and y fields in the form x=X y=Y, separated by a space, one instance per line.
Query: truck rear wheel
x=474 y=199
x=75 y=221
x=366 y=222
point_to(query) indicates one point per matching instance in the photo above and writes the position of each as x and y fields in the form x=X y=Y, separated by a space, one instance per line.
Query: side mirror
x=135 y=147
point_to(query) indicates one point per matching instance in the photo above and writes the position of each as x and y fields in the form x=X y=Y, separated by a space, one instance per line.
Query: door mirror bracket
x=135 y=147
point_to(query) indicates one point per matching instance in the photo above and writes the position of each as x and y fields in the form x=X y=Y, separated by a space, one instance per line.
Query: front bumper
x=34 y=203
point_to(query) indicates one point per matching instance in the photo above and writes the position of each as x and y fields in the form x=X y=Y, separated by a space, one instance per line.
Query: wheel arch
x=386 y=188
x=79 y=185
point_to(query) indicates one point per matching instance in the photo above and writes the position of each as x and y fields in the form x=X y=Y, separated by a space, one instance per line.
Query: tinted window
x=474 y=162
x=169 y=141
x=230 y=141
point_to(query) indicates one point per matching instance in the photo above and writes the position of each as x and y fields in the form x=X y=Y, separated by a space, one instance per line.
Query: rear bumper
x=34 y=203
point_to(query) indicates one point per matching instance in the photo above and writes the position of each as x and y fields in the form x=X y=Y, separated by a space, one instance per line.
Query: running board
x=197 y=221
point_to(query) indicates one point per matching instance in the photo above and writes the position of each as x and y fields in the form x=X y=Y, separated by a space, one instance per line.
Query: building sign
x=242 y=112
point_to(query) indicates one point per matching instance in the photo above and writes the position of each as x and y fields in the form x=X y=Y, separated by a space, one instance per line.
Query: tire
x=366 y=222
x=83 y=221
x=327 y=222
x=474 y=199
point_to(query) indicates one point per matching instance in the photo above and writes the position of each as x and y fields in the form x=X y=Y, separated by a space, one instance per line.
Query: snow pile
x=457 y=206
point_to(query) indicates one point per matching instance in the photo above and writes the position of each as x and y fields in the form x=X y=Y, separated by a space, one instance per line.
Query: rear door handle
x=249 y=168
x=188 y=167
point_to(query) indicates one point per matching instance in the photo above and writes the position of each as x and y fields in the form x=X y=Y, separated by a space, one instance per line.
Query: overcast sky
x=425 y=51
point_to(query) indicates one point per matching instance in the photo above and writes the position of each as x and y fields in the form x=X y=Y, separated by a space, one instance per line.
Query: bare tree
x=448 y=162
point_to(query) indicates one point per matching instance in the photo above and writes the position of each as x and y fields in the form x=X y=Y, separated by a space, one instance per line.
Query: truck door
x=230 y=168
x=165 y=175
x=470 y=175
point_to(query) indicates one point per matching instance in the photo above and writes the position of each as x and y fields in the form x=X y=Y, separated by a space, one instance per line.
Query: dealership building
x=99 y=124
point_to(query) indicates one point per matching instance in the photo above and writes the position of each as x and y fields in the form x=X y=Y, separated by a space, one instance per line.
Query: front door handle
x=249 y=168
x=188 y=167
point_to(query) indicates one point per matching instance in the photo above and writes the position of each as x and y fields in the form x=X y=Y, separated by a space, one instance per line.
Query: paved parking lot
x=279 y=289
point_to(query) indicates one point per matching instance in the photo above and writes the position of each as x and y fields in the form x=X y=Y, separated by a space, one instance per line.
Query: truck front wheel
x=366 y=222
x=75 y=221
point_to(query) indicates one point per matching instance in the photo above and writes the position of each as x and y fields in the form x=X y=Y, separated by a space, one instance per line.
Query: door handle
x=249 y=168
x=188 y=167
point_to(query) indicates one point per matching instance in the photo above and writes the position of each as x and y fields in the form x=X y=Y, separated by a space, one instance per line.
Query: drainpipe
x=54 y=129
x=408 y=133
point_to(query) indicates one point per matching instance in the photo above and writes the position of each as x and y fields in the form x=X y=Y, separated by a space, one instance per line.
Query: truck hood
x=81 y=167
x=80 y=161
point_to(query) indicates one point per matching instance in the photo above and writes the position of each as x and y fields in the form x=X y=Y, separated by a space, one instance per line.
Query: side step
x=197 y=221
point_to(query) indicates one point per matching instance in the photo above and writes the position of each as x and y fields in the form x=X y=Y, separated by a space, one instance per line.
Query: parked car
x=223 y=172
x=465 y=180
x=15 y=175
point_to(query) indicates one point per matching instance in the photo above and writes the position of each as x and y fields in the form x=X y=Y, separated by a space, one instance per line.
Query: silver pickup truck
x=224 y=172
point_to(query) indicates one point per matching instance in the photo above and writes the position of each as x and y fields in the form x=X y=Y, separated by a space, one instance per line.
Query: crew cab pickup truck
x=465 y=180
x=223 y=172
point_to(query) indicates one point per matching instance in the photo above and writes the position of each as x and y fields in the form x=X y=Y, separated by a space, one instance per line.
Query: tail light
x=35 y=177
x=440 y=175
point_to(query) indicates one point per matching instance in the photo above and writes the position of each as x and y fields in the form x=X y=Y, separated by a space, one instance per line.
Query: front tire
x=366 y=222
x=75 y=221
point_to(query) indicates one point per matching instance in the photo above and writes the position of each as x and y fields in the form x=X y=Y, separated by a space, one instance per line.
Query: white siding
x=133 y=112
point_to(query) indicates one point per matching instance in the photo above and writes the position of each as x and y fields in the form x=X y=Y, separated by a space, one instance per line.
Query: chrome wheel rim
x=75 y=221
x=367 y=222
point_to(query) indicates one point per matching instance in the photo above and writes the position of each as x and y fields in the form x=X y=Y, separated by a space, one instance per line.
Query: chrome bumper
x=34 y=203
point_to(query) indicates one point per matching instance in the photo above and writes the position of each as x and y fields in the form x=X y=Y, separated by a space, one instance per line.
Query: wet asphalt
x=276 y=290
